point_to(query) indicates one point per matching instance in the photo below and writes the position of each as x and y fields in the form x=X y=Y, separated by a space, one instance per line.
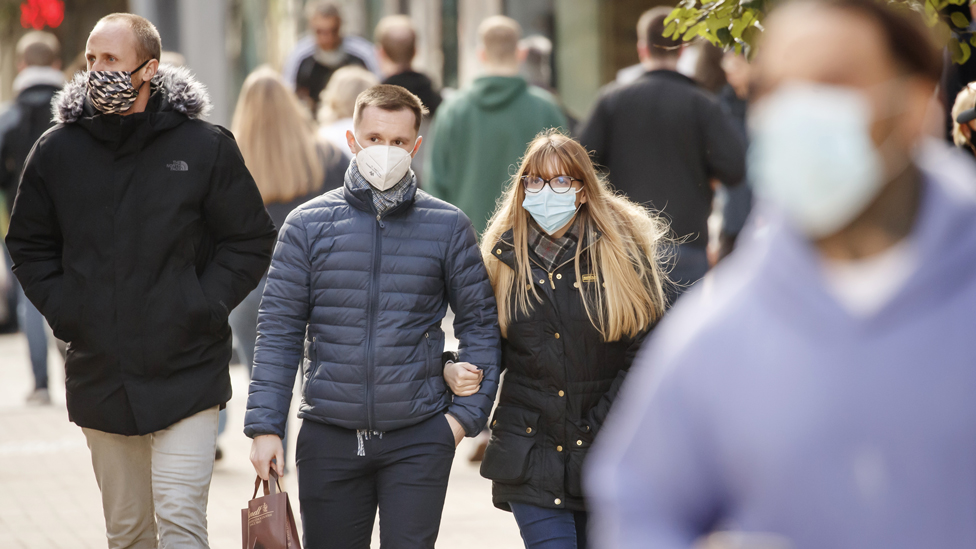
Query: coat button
x=558 y=501
x=557 y=335
x=579 y=442
x=498 y=251
x=562 y=393
x=528 y=429
x=576 y=284
x=493 y=423
x=542 y=281
x=559 y=277
x=559 y=448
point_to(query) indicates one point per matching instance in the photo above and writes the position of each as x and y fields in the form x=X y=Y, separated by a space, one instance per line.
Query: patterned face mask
x=111 y=92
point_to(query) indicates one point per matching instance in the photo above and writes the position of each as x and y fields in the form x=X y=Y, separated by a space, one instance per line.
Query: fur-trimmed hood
x=182 y=93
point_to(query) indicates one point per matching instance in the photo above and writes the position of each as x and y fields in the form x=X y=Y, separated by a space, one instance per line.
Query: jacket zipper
x=374 y=298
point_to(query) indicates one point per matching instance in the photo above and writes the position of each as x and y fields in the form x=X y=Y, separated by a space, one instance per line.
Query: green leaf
x=715 y=23
x=959 y=20
x=972 y=39
x=750 y=35
x=726 y=37
x=675 y=14
x=966 y=52
x=670 y=28
x=693 y=31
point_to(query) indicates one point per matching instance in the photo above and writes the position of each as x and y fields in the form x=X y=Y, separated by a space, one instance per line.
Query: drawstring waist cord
x=363 y=435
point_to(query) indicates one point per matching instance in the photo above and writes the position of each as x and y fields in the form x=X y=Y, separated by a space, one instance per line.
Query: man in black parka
x=135 y=230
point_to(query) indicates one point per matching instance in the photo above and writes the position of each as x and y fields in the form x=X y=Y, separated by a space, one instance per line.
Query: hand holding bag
x=268 y=522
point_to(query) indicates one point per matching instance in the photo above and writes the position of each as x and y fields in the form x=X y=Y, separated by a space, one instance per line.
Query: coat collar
x=180 y=91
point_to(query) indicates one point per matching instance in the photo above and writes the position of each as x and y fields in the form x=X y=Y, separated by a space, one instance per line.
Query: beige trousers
x=155 y=487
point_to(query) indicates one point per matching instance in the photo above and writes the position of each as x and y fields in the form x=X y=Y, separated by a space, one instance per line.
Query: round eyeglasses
x=560 y=184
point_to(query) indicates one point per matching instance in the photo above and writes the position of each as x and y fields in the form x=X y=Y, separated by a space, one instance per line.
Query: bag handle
x=271 y=489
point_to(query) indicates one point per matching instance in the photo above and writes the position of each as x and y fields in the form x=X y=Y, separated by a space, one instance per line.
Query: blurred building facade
x=223 y=40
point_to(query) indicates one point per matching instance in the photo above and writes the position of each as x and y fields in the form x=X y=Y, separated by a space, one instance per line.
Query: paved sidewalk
x=50 y=498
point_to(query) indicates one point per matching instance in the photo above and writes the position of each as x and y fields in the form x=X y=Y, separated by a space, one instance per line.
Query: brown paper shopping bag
x=268 y=522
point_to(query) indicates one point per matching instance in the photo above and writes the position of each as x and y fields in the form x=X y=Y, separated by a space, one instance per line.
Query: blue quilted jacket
x=366 y=294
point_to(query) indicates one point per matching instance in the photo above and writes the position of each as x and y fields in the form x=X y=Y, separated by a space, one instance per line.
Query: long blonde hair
x=338 y=99
x=276 y=138
x=622 y=241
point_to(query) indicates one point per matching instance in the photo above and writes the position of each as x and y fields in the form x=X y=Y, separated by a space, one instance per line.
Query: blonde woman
x=338 y=101
x=964 y=118
x=577 y=276
x=290 y=166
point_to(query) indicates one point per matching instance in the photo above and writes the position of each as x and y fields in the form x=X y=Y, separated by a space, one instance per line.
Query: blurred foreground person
x=964 y=119
x=360 y=282
x=315 y=70
x=290 y=167
x=136 y=230
x=821 y=389
x=481 y=132
x=38 y=79
x=568 y=336
x=663 y=140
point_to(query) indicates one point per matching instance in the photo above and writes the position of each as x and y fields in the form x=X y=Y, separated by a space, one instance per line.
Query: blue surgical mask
x=551 y=210
x=812 y=155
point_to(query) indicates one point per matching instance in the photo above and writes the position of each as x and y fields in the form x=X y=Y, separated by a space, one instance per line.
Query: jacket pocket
x=64 y=324
x=579 y=447
x=512 y=438
x=434 y=371
x=311 y=356
x=198 y=309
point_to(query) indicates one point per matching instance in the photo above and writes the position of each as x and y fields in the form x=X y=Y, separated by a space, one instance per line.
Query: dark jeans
x=550 y=528
x=404 y=473
x=34 y=326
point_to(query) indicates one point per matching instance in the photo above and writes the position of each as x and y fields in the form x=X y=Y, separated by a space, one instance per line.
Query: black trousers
x=404 y=473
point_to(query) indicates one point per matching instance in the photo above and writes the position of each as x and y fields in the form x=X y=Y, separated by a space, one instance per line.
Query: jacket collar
x=38 y=76
x=362 y=198
x=504 y=248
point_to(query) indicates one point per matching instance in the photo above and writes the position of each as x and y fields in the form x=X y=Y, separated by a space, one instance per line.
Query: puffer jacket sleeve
x=282 y=320
x=241 y=228
x=35 y=243
x=475 y=324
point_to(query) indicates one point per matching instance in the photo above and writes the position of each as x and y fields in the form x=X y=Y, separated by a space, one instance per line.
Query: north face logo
x=178 y=166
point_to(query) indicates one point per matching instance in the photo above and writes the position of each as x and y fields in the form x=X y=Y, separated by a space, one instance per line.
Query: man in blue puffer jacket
x=363 y=276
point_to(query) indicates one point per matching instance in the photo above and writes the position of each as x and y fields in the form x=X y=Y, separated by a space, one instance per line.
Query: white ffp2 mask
x=382 y=165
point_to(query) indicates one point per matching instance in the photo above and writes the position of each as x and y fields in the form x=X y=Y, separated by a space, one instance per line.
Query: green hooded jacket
x=479 y=136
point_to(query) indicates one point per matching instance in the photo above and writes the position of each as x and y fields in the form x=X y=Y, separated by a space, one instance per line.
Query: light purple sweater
x=761 y=405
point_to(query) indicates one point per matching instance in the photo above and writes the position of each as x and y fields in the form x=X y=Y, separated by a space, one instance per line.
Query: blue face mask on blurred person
x=812 y=155
x=551 y=210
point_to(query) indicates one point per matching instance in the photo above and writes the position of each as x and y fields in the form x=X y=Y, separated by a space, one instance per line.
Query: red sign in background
x=37 y=14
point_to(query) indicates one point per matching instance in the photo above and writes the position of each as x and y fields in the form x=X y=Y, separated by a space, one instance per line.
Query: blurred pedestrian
x=360 y=282
x=537 y=71
x=569 y=337
x=396 y=46
x=338 y=103
x=315 y=70
x=135 y=231
x=735 y=201
x=820 y=389
x=290 y=167
x=663 y=139
x=482 y=131
x=39 y=77
x=964 y=119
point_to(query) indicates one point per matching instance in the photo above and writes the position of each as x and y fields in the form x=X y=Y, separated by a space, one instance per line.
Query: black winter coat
x=560 y=379
x=135 y=236
x=661 y=139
